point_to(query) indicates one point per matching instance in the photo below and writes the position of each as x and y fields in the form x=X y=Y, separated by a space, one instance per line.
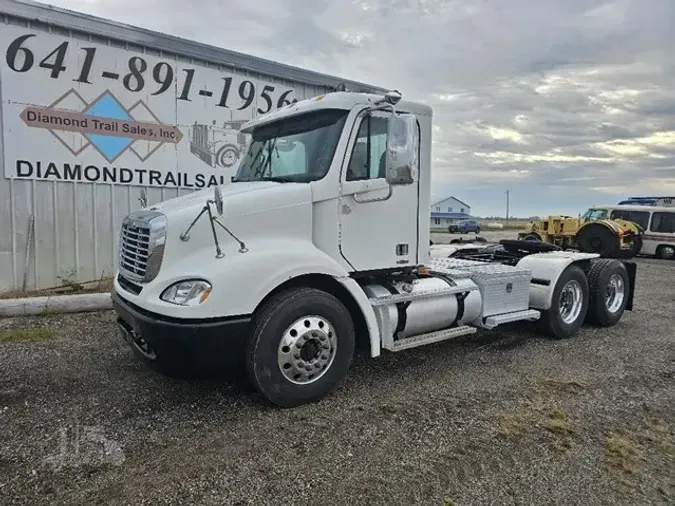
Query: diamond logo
x=104 y=124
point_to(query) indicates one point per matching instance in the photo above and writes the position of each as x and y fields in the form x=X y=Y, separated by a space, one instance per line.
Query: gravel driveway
x=506 y=417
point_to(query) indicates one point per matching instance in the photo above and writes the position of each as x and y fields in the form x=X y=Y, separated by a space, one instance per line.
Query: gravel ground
x=505 y=417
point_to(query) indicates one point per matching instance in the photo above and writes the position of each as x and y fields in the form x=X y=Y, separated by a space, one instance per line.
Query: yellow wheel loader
x=592 y=232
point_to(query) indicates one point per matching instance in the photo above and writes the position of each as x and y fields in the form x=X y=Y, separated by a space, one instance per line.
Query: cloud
x=564 y=103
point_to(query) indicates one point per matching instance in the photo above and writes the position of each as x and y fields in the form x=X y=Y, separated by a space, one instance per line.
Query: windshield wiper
x=280 y=179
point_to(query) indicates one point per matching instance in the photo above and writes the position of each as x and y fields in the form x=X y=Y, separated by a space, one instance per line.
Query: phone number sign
x=74 y=110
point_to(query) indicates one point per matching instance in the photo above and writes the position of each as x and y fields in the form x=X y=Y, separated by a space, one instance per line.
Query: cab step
x=403 y=297
x=499 y=319
x=431 y=337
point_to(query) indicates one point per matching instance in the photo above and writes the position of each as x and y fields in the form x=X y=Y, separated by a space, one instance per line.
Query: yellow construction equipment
x=592 y=232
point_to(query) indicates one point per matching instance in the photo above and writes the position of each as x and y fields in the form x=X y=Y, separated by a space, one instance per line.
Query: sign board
x=75 y=110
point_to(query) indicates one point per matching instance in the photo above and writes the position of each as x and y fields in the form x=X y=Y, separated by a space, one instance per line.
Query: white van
x=658 y=223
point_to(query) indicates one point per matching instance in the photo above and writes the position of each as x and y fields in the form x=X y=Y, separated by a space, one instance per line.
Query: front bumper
x=196 y=342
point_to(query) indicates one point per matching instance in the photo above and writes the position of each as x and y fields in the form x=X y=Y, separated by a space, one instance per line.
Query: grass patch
x=102 y=285
x=26 y=334
x=623 y=455
x=622 y=452
x=647 y=452
x=539 y=412
x=559 y=423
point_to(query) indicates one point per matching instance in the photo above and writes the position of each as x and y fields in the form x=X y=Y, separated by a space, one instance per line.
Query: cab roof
x=337 y=100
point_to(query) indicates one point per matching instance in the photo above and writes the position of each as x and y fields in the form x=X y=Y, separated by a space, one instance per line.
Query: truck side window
x=361 y=166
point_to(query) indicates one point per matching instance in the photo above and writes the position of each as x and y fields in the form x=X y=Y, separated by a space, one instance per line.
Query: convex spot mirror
x=402 y=149
x=218 y=199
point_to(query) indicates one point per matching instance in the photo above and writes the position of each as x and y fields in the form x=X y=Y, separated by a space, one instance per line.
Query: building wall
x=447 y=211
x=64 y=191
x=451 y=205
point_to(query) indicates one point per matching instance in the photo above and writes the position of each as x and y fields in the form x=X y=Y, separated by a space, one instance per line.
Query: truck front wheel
x=301 y=347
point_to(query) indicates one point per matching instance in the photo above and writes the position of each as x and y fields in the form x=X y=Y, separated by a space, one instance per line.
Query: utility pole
x=507 y=208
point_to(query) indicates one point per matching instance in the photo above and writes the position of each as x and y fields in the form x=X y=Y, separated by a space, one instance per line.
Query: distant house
x=447 y=211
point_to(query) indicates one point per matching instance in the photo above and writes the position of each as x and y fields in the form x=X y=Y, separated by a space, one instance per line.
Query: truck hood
x=196 y=200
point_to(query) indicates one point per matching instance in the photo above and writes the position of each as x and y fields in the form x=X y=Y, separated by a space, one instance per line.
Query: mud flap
x=631 y=267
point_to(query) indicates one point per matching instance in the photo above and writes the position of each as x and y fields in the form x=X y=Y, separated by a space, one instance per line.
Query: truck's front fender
x=243 y=280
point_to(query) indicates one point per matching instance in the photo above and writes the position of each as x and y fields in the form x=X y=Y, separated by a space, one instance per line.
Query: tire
x=477 y=231
x=532 y=237
x=292 y=310
x=551 y=321
x=598 y=239
x=227 y=156
x=665 y=252
x=607 y=274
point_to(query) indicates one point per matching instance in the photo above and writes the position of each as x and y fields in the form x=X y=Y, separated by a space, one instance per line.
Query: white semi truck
x=321 y=242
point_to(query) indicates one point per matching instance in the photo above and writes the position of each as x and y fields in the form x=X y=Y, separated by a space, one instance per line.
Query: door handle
x=360 y=188
x=375 y=199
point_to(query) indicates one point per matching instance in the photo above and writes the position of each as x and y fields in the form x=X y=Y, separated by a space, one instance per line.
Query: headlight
x=187 y=293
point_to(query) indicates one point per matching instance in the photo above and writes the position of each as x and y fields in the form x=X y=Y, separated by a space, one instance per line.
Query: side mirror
x=143 y=199
x=402 y=149
x=218 y=199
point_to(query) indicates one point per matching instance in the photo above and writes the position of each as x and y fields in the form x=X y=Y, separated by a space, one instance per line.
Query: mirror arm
x=185 y=236
x=382 y=107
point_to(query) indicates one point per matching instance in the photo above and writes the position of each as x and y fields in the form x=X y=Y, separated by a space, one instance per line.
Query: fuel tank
x=428 y=314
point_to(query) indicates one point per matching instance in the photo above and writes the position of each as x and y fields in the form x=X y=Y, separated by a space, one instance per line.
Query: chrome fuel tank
x=430 y=313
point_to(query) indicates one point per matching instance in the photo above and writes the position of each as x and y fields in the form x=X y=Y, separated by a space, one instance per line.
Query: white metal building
x=92 y=111
x=447 y=211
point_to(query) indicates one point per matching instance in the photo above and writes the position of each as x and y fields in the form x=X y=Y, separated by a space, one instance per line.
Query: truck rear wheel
x=569 y=305
x=608 y=285
x=301 y=347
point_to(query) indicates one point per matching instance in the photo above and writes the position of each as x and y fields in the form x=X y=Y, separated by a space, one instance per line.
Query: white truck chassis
x=291 y=302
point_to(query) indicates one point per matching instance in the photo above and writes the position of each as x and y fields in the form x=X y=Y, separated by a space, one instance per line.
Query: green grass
x=25 y=334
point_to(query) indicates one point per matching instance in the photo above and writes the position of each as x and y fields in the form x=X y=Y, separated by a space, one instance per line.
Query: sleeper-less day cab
x=321 y=241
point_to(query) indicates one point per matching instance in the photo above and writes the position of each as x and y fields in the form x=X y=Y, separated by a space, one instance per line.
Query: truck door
x=378 y=222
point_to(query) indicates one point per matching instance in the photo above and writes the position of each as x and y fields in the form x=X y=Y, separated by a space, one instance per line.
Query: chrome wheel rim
x=668 y=252
x=616 y=291
x=571 y=300
x=307 y=350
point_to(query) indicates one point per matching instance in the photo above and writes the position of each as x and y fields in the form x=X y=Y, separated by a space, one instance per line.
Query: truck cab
x=321 y=242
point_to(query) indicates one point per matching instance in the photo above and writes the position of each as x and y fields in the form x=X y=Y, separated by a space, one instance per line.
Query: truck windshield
x=595 y=214
x=295 y=150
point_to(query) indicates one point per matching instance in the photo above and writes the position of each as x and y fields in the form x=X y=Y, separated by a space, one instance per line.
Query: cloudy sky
x=566 y=103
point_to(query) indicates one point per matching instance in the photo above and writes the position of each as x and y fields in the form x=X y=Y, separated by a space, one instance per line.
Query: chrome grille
x=141 y=245
x=134 y=249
